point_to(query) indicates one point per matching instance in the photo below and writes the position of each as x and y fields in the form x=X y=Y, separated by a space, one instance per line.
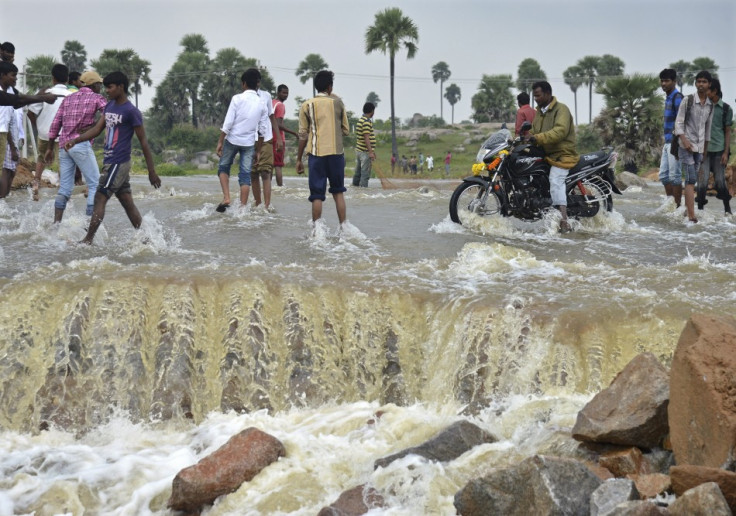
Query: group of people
x=413 y=164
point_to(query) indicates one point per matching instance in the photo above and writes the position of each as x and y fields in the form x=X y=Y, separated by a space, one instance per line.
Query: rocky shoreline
x=655 y=442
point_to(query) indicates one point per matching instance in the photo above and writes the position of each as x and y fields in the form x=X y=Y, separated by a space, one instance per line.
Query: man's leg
x=340 y=206
x=266 y=176
x=84 y=157
x=6 y=181
x=98 y=214
x=66 y=183
x=559 y=197
x=256 y=186
x=279 y=176
x=356 y=176
x=223 y=169
x=719 y=175
x=702 y=185
x=134 y=216
x=316 y=209
x=244 y=176
x=664 y=170
x=225 y=185
x=691 y=180
x=40 y=165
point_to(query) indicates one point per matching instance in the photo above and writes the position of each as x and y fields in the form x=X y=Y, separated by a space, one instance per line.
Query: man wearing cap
x=76 y=114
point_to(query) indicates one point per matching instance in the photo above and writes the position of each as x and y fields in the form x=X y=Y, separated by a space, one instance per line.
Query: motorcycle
x=511 y=179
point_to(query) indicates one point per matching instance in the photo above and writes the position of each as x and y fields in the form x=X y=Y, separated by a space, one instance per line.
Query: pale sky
x=474 y=37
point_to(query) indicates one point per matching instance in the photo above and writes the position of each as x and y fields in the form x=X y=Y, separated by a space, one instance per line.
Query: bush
x=170 y=169
x=587 y=139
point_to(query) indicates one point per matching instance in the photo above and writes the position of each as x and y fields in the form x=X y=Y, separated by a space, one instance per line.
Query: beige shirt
x=698 y=122
x=323 y=122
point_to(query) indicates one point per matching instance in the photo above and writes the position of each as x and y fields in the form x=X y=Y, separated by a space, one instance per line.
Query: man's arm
x=87 y=135
x=563 y=122
x=283 y=128
x=18 y=101
x=367 y=140
x=276 y=133
x=303 y=128
x=727 y=145
x=679 y=130
x=140 y=132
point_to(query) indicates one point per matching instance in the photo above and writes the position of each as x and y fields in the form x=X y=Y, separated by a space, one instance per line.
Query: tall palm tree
x=309 y=67
x=127 y=61
x=441 y=72
x=452 y=94
x=373 y=98
x=74 y=55
x=191 y=62
x=589 y=67
x=529 y=72
x=38 y=72
x=682 y=68
x=574 y=78
x=390 y=31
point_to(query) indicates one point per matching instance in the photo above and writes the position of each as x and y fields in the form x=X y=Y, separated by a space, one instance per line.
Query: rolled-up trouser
x=363 y=167
x=670 y=172
x=712 y=163
x=691 y=163
x=557 y=177
x=82 y=156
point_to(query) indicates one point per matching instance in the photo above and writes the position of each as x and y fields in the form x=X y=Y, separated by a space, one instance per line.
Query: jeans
x=362 y=169
x=712 y=163
x=557 y=177
x=246 y=161
x=82 y=156
x=691 y=162
x=670 y=172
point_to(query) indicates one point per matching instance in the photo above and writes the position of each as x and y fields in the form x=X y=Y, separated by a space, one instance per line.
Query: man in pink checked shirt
x=76 y=114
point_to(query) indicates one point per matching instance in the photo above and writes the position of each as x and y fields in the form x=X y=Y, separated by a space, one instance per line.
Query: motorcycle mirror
x=526 y=125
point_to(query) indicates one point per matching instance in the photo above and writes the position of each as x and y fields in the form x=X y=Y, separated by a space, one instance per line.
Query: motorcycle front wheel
x=468 y=198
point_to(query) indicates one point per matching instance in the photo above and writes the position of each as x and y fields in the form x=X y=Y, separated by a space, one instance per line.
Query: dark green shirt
x=717 y=133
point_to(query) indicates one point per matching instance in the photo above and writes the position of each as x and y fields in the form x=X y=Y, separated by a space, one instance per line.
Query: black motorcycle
x=511 y=179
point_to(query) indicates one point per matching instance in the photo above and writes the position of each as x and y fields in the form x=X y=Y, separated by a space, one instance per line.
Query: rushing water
x=123 y=362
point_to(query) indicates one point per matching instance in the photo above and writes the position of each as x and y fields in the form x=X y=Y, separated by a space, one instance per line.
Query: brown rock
x=632 y=410
x=598 y=470
x=626 y=462
x=686 y=477
x=237 y=461
x=354 y=502
x=23 y=174
x=637 y=508
x=702 y=411
x=652 y=484
x=704 y=500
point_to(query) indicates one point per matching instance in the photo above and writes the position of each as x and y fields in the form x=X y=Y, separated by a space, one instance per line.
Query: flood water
x=123 y=362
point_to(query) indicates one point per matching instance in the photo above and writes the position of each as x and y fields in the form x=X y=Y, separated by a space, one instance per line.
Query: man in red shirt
x=525 y=113
x=279 y=113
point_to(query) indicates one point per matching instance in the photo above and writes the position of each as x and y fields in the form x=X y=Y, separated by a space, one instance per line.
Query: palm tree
x=38 y=72
x=194 y=43
x=390 y=31
x=493 y=101
x=452 y=94
x=589 y=67
x=74 y=55
x=573 y=77
x=309 y=67
x=127 y=61
x=189 y=67
x=682 y=68
x=441 y=72
x=609 y=66
x=529 y=73
x=373 y=98
x=704 y=63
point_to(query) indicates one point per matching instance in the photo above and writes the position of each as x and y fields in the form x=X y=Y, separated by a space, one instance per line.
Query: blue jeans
x=670 y=172
x=691 y=162
x=246 y=161
x=363 y=165
x=82 y=156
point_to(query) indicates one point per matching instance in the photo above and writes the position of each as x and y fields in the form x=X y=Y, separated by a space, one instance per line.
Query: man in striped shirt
x=670 y=172
x=323 y=122
x=365 y=144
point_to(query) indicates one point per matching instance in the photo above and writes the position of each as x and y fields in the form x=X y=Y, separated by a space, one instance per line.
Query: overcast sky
x=473 y=37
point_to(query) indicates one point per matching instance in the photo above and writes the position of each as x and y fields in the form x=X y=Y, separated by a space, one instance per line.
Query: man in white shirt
x=246 y=118
x=41 y=116
x=263 y=161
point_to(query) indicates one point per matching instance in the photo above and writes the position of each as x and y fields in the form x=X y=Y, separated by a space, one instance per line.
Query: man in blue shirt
x=670 y=173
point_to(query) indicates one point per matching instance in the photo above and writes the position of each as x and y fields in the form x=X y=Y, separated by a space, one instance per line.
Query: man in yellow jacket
x=553 y=130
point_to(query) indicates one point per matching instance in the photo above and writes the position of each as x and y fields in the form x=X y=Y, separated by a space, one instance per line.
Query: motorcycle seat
x=591 y=159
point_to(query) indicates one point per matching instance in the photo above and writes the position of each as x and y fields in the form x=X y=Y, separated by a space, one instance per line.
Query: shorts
x=690 y=162
x=115 y=179
x=326 y=168
x=278 y=157
x=265 y=159
x=43 y=146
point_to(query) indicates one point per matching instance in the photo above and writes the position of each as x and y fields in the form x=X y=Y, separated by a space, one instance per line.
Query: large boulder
x=449 y=444
x=686 y=477
x=624 y=462
x=638 y=508
x=354 y=502
x=610 y=494
x=627 y=179
x=538 y=485
x=704 y=500
x=237 y=461
x=632 y=411
x=702 y=413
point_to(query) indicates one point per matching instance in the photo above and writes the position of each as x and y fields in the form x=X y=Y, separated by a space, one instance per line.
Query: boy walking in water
x=121 y=119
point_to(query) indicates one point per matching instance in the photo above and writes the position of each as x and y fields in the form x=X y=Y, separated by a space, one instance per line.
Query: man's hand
x=279 y=144
x=299 y=166
x=21 y=143
x=218 y=151
x=14 y=154
x=49 y=156
x=48 y=98
x=724 y=158
x=154 y=179
x=372 y=155
x=69 y=144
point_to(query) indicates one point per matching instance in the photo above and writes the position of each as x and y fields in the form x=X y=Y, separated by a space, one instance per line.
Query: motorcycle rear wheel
x=468 y=198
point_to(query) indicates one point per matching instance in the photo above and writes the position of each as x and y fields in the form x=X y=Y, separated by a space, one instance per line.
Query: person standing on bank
x=323 y=123
x=719 y=148
x=670 y=172
x=365 y=145
x=692 y=127
x=553 y=130
x=122 y=119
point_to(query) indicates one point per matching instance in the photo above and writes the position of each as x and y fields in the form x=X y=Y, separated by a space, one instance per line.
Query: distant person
x=525 y=112
x=430 y=163
x=365 y=146
x=393 y=162
x=553 y=130
x=404 y=164
x=75 y=116
x=719 y=148
x=279 y=113
x=413 y=164
x=323 y=123
x=241 y=133
x=692 y=127
x=420 y=162
x=7 y=52
x=263 y=161
x=74 y=83
x=670 y=172
x=122 y=119
x=41 y=116
x=448 y=159
x=8 y=130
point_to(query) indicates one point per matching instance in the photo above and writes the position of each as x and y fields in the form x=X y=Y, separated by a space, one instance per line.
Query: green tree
x=373 y=98
x=589 y=67
x=632 y=118
x=170 y=105
x=441 y=72
x=682 y=68
x=573 y=77
x=453 y=94
x=309 y=67
x=529 y=72
x=127 y=61
x=38 y=72
x=609 y=66
x=190 y=69
x=391 y=31
x=494 y=100
x=704 y=63
x=74 y=55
